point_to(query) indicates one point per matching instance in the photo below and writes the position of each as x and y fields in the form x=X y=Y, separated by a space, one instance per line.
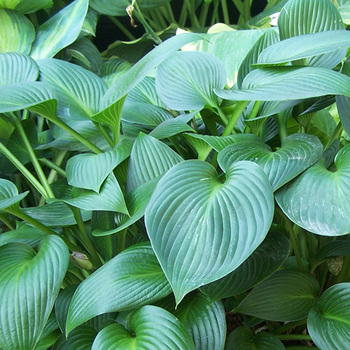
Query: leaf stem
x=289 y=326
x=122 y=28
x=246 y=12
x=335 y=135
x=7 y=222
x=225 y=12
x=105 y=134
x=344 y=273
x=55 y=169
x=293 y=337
x=301 y=347
x=240 y=106
x=121 y=240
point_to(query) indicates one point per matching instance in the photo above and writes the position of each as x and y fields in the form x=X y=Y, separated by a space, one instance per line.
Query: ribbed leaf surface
x=343 y=106
x=149 y=159
x=334 y=248
x=264 y=261
x=9 y=194
x=287 y=295
x=288 y=83
x=29 y=284
x=307 y=204
x=60 y=30
x=26 y=6
x=329 y=320
x=80 y=338
x=298 y=152
x=186 y=80
x=131 y=279
x=192 y=214
x=25 y=234
x=148 y=328
x=89 y=170
x=17 y=32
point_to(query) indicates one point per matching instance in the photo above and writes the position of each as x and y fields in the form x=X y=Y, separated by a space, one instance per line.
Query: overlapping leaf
x=298 y=152
x=26 y=6
x=192 y=214
x=9 y=194
x=306 y=202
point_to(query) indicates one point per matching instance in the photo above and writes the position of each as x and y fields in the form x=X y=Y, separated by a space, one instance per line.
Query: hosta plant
x=188 y=194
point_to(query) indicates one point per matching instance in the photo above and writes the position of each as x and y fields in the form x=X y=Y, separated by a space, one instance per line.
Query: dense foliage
x=187 y=189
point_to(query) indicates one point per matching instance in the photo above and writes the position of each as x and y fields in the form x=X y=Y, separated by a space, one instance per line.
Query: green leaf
x=306 y=46
x=29 y=284
x=264 y=261
x=243 y=338
x=16 y=68
x=344 y=10
x=299 y=17
x=187 y=218
x=149 y=159
x=25 y=234
x=60 y=30
x=9 y=194
x=170 y=127
x=288 y=83
x=306 y=203
x=287 y=295
x=147 y=328
x=131 y=279
x=89 y=170
x=26 y=6
x=62 y=305
x=17 y=33
x=329 y=320
x=79 y=91
x=297 y=153
x=334 y=249
x=343 y=106
x=80 y=338
x=186 y=80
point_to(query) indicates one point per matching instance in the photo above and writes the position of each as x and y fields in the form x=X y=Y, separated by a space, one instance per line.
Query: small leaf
x=29 y=284
x=186 y=219
x=25 y=234
x=9 y=194
x=60 y=30
x=149 y=327
x=328 y=322
x=298 y=152
x=287 y=295
x=131 y=279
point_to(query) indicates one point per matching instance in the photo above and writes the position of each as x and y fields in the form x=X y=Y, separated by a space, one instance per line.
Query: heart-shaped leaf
x=147 y=328
x=328 y=322
x=9 y=194
x=298 y=152
x=192 y=214
x=287 y=295
x=90 y=170
x=264 y=261
x=29 y=284
x=131 y=279
x=244 y=339
x=307 y=204
x=60 y=30
x=186 y=80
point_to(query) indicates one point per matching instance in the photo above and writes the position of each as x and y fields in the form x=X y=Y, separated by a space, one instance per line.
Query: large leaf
x=186 y=80
x=329 y=320
x=299 y=17
x=147 y=328
x=264 y=261
x=307 y=204
x=25 y=234
x=288 y=83
x=89 y=170
x=17 y=33
x=60 y=30
x=26 y=6
x=244 y=339
x=9 y=194
x=131 y=279
x=80 y=338
x=193 y=214
x=29 y=284
x=149 y=159
x=287 y=295
x=297 y=153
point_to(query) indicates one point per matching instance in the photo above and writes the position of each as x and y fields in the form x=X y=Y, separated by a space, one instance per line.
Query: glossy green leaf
x=17 y=33
x=306 y=203
x=147 y=328
x=79 y=91
x=170 y=127
x=287 y=295
x=297 y=153
x=343 y=106
x=60 y=30
x=186 y=80
x=244 y=339
x=26 y=6
x=113 y=69
x=62 y=305
x=80 y=338
x=29 y=284
x=288 y=83
x=306 y=46
x=329 y=320
x=16 y=67
x=334 y=249
x=9 y=194
x=149 y=159
x=89 y=170
x=264 y=261
x=131 y=279
x=299 y=17
x=25 y=234
x=344 y=10
x=193 y=214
